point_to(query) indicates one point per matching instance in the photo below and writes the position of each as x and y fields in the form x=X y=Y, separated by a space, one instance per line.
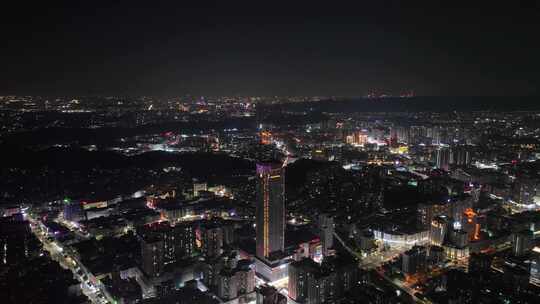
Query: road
x=376 y=260
x=344 y=244
x=96 y=293
x=399 y=284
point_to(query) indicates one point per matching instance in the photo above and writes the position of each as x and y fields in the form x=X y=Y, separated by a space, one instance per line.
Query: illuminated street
x=66 y=260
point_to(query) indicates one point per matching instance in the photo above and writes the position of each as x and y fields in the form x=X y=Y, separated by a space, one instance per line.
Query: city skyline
x=307 y=152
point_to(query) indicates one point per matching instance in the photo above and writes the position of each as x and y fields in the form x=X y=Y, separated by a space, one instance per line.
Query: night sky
x=279 y=48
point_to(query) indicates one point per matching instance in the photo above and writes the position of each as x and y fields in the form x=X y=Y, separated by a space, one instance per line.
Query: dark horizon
x=300 y=49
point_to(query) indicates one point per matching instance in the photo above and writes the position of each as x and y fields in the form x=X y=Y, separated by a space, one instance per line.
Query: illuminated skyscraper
x=271 y=264
x=270 y=209
x=73 y=211
x=521 y=242
x=212 y=241
x=461 y=155
x=443 y=159
x=414 y=260
x=439 y=227
x=152 y=256
x=524 y=191
x=163 y=244
x=401 y=134
x=326 y=231
x=358 y=138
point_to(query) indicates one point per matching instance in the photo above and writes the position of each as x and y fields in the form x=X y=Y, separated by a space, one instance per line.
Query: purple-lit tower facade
x=270 y=262
x=270 y=209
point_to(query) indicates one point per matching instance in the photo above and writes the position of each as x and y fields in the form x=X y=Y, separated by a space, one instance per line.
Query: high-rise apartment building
x=326 y=228
x=163 y=244
x=443 y=159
